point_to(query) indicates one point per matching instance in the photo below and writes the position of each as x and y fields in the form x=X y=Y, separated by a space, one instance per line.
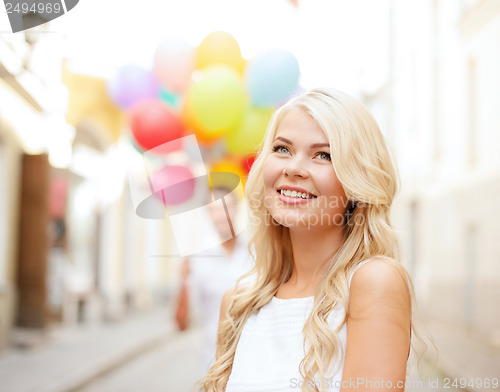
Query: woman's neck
x=311 y=248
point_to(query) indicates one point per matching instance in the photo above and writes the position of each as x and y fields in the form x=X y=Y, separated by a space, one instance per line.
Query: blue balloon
x=169 y=98
x=272 y=77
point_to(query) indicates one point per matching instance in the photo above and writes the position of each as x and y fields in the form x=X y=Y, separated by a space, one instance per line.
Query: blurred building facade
x=439 y=107
x=72 y=249
x=24 y=184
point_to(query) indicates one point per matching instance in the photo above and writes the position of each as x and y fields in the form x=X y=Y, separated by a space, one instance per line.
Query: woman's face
x=300 y=185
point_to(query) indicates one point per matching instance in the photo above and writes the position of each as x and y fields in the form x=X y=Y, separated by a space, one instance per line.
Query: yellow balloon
x=251 y=131
x=218 y=99
x=229 y=166
x=219 y=47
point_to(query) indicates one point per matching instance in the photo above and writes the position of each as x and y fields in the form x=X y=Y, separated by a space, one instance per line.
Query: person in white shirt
x=207 y=275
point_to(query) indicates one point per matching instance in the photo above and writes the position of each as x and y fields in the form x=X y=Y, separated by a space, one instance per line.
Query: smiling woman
x=331 y=305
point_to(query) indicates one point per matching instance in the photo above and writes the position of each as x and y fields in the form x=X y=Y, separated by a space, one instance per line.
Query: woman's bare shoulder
x=381 y=269
x=380 y=283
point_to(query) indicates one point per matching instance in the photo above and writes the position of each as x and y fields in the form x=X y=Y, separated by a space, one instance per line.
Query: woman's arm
x=378 y=329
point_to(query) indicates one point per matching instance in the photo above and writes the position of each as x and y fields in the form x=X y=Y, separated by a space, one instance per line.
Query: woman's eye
x=324 y=155
x=280 y=149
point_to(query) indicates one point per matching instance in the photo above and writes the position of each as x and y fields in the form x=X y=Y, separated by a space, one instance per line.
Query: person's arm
x=378 y=329
x=182 y=310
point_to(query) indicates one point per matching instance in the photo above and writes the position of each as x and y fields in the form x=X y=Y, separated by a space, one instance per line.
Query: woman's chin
x=312 y=221
x=293 y=221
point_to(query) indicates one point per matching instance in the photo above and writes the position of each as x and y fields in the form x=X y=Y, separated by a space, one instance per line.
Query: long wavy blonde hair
x=370 y=180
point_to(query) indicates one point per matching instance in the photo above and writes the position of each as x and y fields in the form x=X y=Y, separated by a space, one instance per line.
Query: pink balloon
x=173 y=184
x=174 y=64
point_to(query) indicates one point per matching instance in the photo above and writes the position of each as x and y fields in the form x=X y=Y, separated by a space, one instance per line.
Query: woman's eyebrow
x=284 y=139
x=315 y=145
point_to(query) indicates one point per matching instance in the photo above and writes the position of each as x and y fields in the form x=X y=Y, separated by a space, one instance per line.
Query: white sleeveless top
x=270 y=348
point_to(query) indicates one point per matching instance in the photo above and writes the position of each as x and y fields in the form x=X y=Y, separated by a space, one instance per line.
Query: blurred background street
x=92 y=264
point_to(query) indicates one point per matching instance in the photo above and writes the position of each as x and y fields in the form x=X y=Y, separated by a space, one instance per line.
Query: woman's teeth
x=298 y=195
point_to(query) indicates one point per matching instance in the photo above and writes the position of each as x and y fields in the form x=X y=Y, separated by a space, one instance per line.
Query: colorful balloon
x=173 y=184
x=231 y=165
x=174 y=63
x=153 y=123
x=251 y=131
x=131 y=84
x=170 y=98
x=219 y=48
x=271 y=77
x=216 y=101
x=247 y=163
x=191 y=122
x=134 y=144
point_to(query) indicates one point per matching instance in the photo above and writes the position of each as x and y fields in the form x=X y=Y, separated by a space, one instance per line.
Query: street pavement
x=465 y=360
x=71 y=357
x=173 y=366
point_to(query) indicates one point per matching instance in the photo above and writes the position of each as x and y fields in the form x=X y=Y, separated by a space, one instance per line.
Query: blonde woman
x=331 y=307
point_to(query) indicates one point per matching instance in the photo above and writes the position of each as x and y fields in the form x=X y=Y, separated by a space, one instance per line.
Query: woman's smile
x=294 y=195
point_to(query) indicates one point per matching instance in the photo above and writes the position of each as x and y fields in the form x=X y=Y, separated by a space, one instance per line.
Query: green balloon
x=218 y=99
x=249 y=134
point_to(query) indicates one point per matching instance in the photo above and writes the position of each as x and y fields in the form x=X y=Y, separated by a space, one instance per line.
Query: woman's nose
x=295 y=167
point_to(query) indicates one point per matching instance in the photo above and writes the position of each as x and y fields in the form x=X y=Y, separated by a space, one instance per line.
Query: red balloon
x=153 y=123
x=248 y=162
